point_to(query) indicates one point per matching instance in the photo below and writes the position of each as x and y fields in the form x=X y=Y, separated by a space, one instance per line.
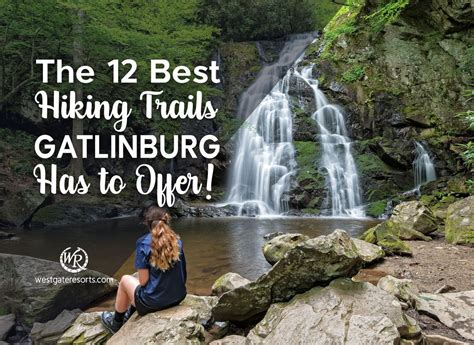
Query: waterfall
x=423 y=166
x=264 y=159
x=337 y=160
x=271 y=74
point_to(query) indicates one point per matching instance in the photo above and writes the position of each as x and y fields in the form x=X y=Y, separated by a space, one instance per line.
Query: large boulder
x=17 y=208
x=228 y=282
x=202 y=305
x=368 y=252
x=177 y=325
x=277 y=247
x=32 y=300
x=410 y=221
x=383 y=234
x=6 y=324
x=50 y=332
x=315 y=261
x=455 y=310
x=86 y=329
x=182 y=324
x=345 y=312
x=459 y=223
x=414 y=215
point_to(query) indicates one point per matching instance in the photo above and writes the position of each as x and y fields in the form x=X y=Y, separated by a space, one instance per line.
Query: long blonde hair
x=164 y=241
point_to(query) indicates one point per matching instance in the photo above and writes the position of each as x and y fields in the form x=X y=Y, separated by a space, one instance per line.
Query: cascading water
x=337 y=159
x=264 y=159
x=423 y=167
x=272 y=73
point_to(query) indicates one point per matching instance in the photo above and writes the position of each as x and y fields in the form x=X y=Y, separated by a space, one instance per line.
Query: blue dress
x=163 y=289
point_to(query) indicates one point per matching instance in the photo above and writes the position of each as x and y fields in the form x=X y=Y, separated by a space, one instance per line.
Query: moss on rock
x=376 y=209
x=460 y=222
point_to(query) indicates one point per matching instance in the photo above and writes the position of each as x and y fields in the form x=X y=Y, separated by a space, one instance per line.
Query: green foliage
x=344 y=22
x=323 y=12
x=241 y=20
x=376 y=209
x=354 y=74
x=386 y=14
x=467 y=153
x=111 y=29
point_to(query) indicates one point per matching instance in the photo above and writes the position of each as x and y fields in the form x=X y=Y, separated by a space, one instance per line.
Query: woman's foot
x=129 y=313
x=109 y=322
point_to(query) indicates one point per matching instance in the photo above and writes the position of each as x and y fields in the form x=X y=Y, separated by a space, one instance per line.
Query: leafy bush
x=354 y=74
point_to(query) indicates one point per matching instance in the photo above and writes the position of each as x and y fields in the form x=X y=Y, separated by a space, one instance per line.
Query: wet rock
x=403 y=289
x=86 y=329
x=455 y=310
x=315 y=261
x=277 y=247
x=6 y=235
x=177 y=325
x=51 y=331
x=414 y=215
x=70 y=212
x=16 y=210
x=228 y=282
x=6 y=324
x=459 y=223
x=32 y=301
x=272 y=235
x=184 y=209
x=345 y=312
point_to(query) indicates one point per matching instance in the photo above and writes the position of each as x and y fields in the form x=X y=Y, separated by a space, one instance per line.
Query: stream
x=213 y=246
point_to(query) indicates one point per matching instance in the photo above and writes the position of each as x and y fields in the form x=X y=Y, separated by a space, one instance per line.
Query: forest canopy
x=241 y=20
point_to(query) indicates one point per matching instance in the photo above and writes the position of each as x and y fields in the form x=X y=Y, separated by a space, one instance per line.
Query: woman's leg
x=126 y=293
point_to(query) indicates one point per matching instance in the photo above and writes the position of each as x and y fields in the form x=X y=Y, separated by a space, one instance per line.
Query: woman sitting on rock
x=161 y=269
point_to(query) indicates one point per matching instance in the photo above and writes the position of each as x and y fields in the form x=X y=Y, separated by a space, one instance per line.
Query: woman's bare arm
x=143 y=276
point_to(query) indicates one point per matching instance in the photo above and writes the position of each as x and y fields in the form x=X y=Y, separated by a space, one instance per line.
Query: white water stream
x=264 y=160
x=337 y=160
x=423 y=167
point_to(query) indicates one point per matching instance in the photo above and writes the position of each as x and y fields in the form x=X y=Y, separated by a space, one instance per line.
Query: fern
x=386 y=14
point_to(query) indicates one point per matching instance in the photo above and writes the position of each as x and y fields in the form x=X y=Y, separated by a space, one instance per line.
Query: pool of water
x=213 y=246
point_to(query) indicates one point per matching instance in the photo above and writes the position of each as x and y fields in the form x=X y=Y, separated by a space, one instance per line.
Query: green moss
x=307 y=152
x=342 y=23
x=369 y=236
x=368 y=162
x=376 y=209
x=354 y=74
x=393 y=245
x=311 y=211
x=386 y=14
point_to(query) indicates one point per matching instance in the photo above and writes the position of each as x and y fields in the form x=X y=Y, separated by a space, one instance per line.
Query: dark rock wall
x=398 y=82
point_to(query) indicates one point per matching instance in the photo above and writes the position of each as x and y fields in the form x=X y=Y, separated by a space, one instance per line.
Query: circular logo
x=74 y=261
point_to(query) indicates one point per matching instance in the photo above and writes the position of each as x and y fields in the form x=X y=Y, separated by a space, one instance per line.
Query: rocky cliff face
x=400 y=70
